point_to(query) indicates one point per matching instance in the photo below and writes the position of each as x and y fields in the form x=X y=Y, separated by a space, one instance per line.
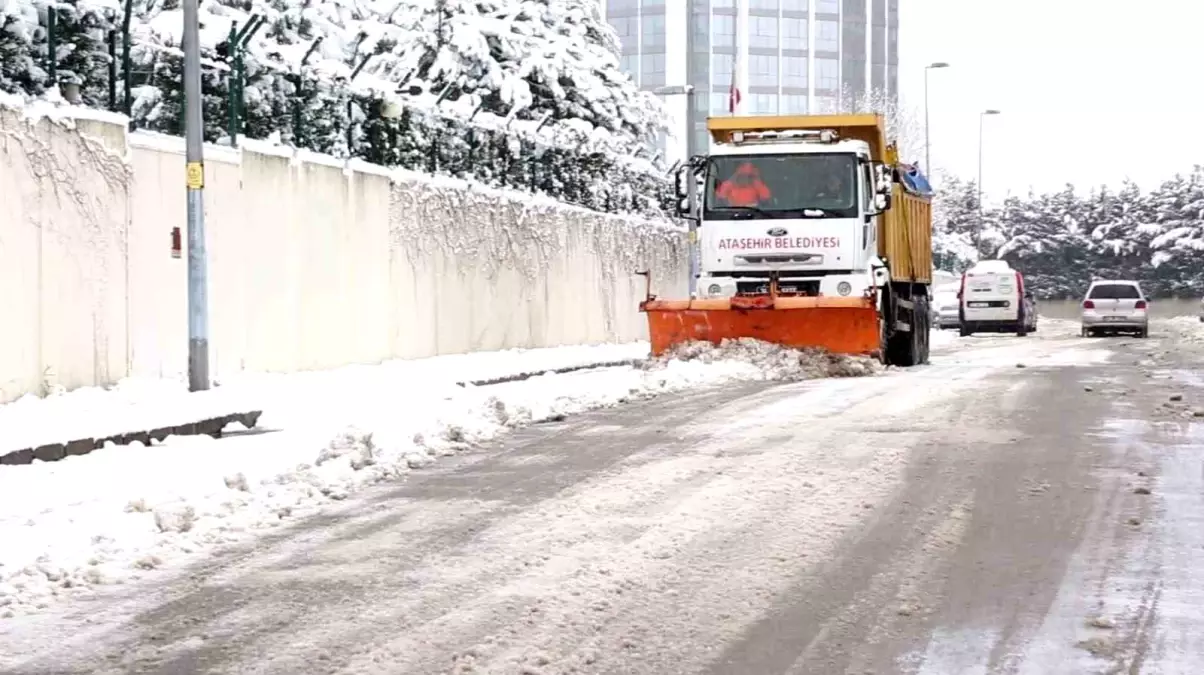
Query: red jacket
x=744 y=188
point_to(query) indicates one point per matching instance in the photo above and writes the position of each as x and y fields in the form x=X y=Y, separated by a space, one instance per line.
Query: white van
x=992 y=299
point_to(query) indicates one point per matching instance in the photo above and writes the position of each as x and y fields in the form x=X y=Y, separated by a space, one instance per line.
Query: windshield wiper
x=817 y=213
x=747 y=209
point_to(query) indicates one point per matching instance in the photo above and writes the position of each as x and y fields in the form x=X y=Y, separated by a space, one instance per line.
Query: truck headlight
x=844 y=288
x=715 y=289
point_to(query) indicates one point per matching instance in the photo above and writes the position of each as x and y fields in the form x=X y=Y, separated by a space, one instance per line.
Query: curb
x=53 y=452
x=551 y=371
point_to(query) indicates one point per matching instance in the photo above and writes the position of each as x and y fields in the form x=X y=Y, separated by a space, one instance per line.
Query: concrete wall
x=312 y=264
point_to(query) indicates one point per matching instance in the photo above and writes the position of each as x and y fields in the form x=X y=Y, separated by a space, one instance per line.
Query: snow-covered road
x=1021 y=505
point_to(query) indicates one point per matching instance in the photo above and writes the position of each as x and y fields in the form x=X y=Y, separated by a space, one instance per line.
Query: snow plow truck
x=811 y=234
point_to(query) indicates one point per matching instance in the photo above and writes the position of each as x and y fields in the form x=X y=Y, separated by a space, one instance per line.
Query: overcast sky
x=1090 y=91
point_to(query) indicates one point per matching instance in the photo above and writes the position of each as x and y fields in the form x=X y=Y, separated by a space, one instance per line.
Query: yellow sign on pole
x=196 y=175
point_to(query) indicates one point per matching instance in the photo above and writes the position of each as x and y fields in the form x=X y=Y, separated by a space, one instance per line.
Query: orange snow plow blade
x=843 y=325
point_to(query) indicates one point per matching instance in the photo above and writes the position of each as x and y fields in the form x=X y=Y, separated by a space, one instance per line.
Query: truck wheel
x=884 y=314
x=883 y=342
x=903 y=349
x=925 y=332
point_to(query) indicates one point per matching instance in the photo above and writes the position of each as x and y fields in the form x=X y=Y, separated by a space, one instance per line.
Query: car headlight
x=715 y=289
x=844 y=288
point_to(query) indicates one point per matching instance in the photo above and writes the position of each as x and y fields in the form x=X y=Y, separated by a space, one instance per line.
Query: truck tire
x=904 y=349
x=925 y=334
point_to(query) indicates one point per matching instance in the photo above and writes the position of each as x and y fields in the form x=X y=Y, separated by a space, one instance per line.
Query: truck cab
x=799 y=205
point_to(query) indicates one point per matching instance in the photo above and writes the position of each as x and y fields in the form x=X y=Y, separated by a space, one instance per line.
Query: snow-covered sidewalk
x=143 y=404
x=104 y=517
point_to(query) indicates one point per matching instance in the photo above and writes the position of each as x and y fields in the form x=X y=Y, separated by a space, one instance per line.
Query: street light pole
x=691 y=150
x=689 y=91
x=927 y=146
x=194 y=171
x=978 y=230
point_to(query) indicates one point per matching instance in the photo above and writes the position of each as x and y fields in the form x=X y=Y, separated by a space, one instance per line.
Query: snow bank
x=1183 y=329
x=109 y=516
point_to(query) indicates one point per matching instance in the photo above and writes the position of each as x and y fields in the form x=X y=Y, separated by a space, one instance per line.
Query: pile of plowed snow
x=1183 y=329
x=772 y=362
x=121 y=512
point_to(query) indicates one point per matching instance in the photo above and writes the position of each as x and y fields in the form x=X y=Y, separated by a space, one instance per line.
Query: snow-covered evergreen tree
x=1048 y=243
x=526 y=59
x=954 y=218
x=526 y=94
x=1177 y=244
x=903 y=125
x=20 y=31
x=81 y=50
x=1118 y=225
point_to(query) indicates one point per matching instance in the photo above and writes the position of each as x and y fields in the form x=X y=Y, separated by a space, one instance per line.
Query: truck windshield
x=782 y=186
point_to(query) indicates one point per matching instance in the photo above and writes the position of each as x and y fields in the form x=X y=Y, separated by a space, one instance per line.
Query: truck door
x=869 y=232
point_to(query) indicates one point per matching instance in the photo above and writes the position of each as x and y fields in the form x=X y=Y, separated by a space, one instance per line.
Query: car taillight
x=1140 y=304
x=1087 y=304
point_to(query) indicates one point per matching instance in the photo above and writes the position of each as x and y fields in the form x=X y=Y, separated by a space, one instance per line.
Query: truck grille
x=788 y=287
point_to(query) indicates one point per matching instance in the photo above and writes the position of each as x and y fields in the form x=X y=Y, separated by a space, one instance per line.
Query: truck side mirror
x=682 y=201
x=690 y=170
x=882 y=179
x=679 y=180
x=884 y=182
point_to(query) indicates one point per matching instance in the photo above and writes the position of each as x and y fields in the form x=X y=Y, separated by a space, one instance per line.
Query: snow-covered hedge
x=523 y=94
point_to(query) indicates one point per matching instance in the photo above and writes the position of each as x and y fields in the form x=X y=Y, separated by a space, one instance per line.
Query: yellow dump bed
x=905 y=240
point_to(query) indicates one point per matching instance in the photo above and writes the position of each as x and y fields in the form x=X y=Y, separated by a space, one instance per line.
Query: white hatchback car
x=945 y=309
x=1115 y=306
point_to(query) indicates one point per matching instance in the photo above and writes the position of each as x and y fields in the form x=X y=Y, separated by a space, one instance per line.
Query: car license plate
x=979 y=304
x=1115 y=318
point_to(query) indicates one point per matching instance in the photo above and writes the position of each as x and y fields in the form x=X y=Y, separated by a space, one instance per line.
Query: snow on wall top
x=67 y=114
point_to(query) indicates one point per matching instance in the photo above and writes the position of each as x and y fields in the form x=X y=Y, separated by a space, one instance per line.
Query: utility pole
x=691 y=147
x=927 y=146
x=198 y=292
x=978 y=229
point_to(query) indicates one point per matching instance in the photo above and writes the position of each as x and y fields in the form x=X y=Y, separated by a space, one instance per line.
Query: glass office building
x=797 y=56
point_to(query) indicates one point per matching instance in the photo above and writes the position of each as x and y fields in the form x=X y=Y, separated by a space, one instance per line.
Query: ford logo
x=776 y=232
